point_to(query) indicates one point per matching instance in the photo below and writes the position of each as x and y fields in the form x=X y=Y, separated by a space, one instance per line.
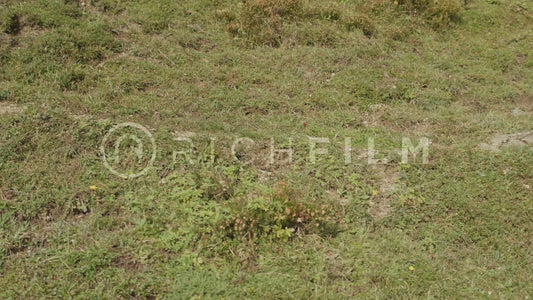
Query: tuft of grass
x=261 y=21
x=362 y=22
x=13 y=25
x=273 y=23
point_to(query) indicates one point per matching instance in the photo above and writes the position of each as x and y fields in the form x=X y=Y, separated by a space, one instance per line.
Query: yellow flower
x=411 y=268
x=375 y=193
x=93 y=187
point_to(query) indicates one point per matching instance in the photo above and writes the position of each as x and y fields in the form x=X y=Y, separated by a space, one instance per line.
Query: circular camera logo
x=123 y=150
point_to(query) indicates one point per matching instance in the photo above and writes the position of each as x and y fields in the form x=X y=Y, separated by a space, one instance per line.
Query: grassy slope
x=459 y=226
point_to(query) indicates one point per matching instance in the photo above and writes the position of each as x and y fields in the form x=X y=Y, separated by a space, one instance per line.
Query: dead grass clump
x=361 y=21
x=439 y=12
x=261 y=21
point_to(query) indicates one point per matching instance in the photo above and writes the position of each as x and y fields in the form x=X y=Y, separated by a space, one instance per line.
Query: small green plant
x=5 y=95
x=411 y=198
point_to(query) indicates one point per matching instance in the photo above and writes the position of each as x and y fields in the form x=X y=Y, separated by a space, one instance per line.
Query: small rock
x=517 y=112
x=194 y=27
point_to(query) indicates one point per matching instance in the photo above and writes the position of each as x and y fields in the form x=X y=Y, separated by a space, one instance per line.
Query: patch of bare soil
x=523 y=139
x=385 y=116
x=387 y=184
x=10 y=108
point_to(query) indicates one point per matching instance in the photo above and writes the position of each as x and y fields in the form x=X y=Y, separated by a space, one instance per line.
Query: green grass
x=215 y=71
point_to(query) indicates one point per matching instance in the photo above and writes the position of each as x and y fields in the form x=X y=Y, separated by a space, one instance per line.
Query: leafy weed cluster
x=283 y=213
